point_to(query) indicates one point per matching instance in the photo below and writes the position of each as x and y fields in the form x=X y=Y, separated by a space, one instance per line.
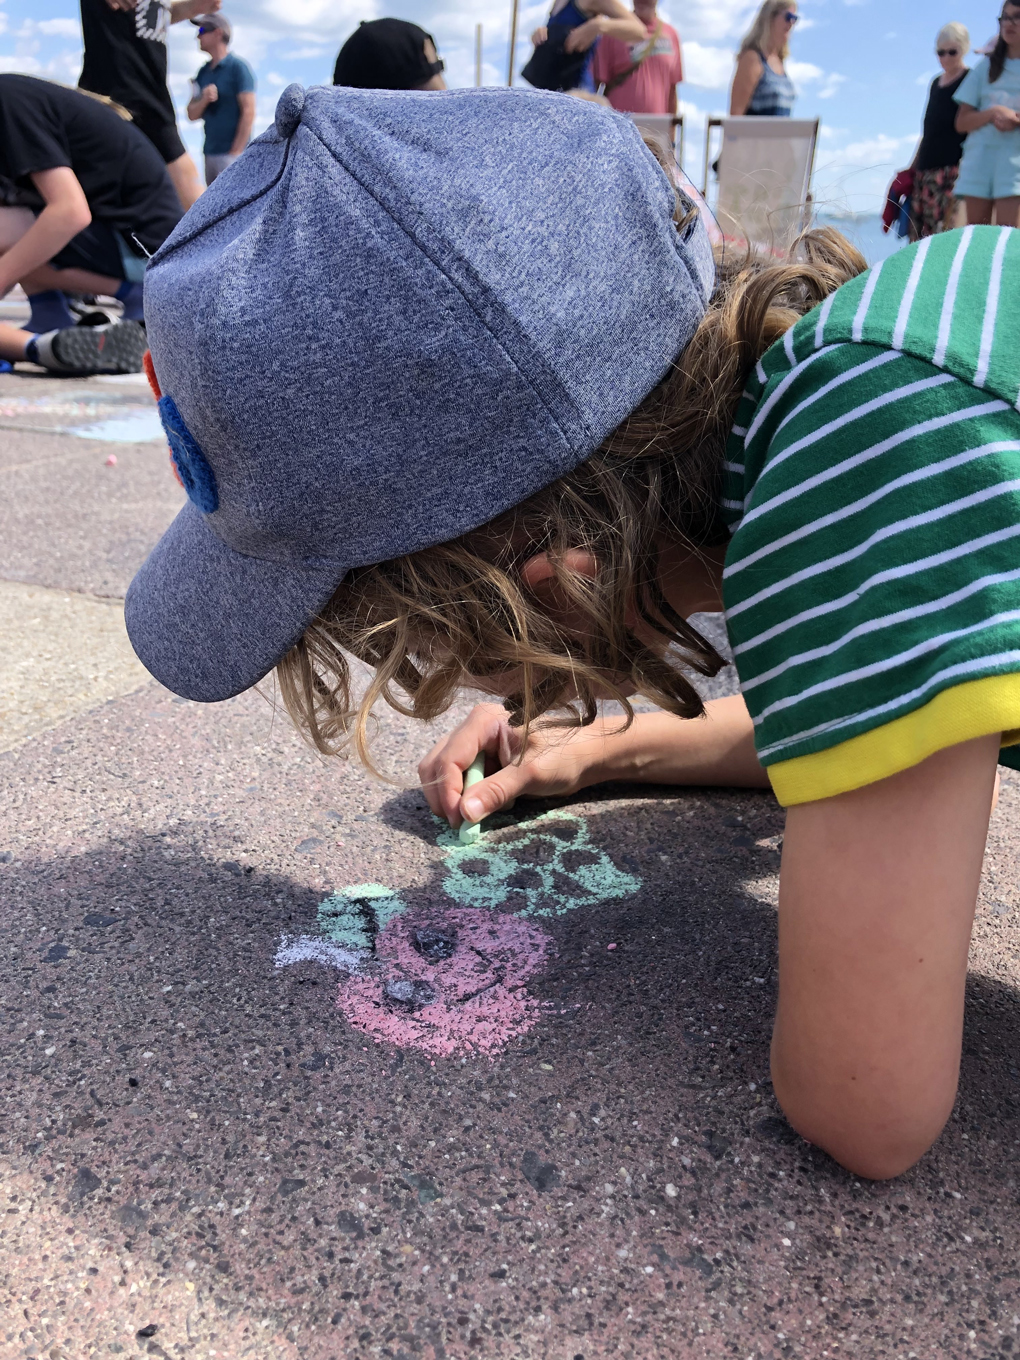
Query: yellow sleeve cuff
x=974 y=709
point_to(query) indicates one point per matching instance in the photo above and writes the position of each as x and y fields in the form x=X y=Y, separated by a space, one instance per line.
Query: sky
x=861 y=66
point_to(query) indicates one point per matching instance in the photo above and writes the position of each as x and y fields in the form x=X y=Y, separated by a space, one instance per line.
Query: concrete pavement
x=243 y=1113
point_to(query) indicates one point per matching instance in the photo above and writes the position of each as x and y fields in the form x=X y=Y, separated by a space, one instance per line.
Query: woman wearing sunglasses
x=989 y=100
x=760 y=83
x=936 y=163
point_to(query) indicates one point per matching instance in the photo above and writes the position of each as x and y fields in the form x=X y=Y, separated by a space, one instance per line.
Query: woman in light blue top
x=989 y=112
x=760 y=83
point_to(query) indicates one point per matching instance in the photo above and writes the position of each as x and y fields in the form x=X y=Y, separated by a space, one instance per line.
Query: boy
x=87 y=196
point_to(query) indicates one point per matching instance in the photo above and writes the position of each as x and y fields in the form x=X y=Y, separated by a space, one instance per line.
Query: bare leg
x=1007 y=211
x=14 y=223
x=979 y=211
x=69 y=281
x=184 y=173
x=13 y=342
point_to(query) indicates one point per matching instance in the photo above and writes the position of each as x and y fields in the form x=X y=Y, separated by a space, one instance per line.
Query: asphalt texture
x=213 y=1147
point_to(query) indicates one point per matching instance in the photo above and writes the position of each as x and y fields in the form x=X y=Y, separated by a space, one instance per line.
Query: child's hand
x=555 y=761
x=1006 y=120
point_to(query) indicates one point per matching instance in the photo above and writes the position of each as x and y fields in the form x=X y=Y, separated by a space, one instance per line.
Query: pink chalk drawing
x=450 y=979
x=449 y=982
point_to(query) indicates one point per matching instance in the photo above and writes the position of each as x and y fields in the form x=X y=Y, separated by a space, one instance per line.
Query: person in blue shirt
x=224 y=96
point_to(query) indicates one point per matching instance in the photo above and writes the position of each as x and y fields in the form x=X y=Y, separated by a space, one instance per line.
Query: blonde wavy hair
x=456 y=615
x=757 y=35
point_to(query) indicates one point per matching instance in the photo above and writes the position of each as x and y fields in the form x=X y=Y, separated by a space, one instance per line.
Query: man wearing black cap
x=389 y=54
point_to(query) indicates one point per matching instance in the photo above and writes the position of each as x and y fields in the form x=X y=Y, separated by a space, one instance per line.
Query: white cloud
x=803 y=72
x=710 y=68
x=832 y=83
x=713 y=20
x=21 y=65
x=59 y=28
x=855 y=176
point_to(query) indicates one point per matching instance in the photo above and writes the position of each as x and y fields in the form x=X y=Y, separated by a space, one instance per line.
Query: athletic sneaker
x=80 y=350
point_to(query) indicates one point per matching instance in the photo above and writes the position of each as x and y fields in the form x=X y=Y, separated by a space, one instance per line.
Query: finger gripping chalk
x=475 y=772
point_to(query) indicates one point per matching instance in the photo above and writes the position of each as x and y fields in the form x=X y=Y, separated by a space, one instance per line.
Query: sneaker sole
x=117 y=348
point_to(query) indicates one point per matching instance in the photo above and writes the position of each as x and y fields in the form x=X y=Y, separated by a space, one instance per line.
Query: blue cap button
x=288 y=110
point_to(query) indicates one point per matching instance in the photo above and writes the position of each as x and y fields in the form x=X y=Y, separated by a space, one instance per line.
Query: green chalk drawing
x=546 y=866
x=353 y=917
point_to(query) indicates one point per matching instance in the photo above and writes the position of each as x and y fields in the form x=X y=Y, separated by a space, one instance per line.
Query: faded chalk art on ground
x=452 y=977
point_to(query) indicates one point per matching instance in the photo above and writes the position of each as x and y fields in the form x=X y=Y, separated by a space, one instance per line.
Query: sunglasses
x=1005 y=19
x=947 y=52
x=791 y=16
x=207 y=28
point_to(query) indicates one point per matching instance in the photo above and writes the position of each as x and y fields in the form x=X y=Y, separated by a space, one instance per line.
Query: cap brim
x=207 y=621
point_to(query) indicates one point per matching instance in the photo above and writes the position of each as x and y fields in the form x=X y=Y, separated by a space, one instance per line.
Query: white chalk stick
x=470 y=831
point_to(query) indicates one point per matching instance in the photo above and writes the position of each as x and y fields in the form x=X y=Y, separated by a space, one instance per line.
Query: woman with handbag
x=565 y=46
x=929 y=180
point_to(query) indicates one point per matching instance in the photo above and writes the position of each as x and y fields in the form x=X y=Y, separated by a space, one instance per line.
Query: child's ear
x=538 y=569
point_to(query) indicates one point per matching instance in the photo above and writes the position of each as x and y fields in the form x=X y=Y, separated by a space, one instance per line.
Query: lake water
x=865 y=231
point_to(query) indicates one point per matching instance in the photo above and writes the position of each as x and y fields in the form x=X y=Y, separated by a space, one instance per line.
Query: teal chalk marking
x=474 y=774
x=548 y=871
x=354 y=916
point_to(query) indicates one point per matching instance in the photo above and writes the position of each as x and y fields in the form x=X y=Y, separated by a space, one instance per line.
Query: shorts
x=99 y=250
x=990 y=169
x=215 y=165
x=161 y=130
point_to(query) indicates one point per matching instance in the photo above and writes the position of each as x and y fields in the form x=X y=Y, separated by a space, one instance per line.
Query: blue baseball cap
x=397 y=316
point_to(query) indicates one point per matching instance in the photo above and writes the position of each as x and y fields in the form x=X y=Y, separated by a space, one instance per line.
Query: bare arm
x=745 y=80
x=66 y=214
x=876 y=904
x=186 y=9
x=197 y=106
x=969 y=119
x=246 y=103
x=610 y=19
x=656 y=749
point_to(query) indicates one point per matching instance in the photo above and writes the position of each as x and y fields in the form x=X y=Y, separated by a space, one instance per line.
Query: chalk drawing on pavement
x=451 y=977
x=467 y=996
x=545 y=867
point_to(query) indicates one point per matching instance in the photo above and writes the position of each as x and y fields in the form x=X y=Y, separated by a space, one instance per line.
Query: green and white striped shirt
x=872 y=585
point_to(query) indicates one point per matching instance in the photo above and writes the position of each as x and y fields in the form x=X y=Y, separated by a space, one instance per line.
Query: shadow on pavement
x=617 y=1182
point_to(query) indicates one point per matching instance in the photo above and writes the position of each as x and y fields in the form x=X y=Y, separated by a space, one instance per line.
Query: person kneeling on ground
x=87 y=197
x=524 y=448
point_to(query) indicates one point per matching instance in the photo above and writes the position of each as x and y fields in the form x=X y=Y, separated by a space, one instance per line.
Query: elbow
x=877 y=1140
x=77 y=219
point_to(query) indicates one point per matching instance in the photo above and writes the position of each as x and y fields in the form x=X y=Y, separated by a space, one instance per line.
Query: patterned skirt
x=932 y=203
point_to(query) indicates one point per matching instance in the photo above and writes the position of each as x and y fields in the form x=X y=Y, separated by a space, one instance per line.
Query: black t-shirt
x=941 y=144
x=126 y=55
x=44 y=125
